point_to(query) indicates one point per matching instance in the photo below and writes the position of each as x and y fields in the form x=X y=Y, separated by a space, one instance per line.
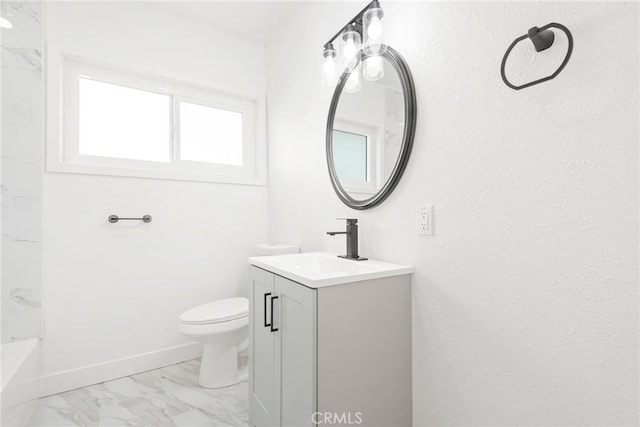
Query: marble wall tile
x=22 y=169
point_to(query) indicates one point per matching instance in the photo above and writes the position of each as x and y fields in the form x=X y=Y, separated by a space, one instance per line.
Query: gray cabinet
x=262 y=390
x=335 y=355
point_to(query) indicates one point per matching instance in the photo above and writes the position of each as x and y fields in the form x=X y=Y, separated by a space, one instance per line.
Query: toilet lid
x=217 y=311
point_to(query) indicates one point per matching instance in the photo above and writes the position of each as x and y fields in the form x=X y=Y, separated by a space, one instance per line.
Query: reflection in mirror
x=350 y=156
x=367 y=133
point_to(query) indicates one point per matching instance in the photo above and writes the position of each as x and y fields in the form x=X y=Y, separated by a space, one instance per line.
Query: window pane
x=210 y=135
x=350 y=156
x=117 y=121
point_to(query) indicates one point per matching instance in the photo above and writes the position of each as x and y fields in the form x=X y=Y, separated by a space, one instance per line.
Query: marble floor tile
x=168 y=396
x=192 y=419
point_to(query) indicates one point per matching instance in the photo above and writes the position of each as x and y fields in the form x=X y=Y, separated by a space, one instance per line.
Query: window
x=118 y=123
x=200 y=125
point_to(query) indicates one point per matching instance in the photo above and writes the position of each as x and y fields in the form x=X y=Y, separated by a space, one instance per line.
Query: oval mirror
x=370 y=131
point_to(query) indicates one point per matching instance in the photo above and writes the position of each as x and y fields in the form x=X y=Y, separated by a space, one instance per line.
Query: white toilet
x=223 y=327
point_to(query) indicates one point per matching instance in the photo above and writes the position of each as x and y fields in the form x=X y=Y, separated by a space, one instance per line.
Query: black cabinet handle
x=266 y=325
x=272 y=328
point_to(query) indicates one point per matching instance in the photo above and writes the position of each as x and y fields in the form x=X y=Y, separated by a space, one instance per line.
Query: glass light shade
x=350 y=47
x=354 y=82
x=373 y=68
x=372 y=22
x=329 y=66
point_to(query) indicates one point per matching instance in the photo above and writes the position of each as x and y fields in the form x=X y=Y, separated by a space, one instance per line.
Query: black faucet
x=352 y=239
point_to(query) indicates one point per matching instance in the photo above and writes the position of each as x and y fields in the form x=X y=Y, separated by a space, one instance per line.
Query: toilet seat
x=219 y=311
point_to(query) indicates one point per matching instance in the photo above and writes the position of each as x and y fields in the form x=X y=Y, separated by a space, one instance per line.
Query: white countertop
x=319 y=269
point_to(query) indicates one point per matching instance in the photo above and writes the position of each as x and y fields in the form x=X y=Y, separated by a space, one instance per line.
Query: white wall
x=114 y=291
x=526 y=299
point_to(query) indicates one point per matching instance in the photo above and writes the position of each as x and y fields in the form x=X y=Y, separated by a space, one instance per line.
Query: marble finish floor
x=168 y=396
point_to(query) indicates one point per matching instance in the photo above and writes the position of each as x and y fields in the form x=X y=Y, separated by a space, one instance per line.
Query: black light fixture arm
x=356 y=22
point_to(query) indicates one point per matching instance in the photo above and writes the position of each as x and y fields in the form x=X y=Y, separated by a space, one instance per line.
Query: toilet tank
x=268 y=249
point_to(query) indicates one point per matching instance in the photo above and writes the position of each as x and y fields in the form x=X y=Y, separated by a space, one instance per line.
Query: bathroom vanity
x=330 y=341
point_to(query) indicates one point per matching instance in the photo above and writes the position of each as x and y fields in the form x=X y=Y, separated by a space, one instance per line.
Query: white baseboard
x=58 y=382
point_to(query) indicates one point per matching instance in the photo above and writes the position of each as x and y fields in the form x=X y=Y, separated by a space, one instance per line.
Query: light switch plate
x=424 y=220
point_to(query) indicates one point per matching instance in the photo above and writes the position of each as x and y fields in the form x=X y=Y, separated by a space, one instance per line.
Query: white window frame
x=63 y=152
x=374 y=156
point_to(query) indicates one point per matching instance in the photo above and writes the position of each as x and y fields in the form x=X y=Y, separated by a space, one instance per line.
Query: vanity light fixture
x=329 y=66
x=353 y=83
x=351 y=45
x=363 y=33
x=373 y=68
x=373 y=29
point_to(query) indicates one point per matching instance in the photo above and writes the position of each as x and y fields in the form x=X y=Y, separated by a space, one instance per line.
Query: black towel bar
x=115 y=218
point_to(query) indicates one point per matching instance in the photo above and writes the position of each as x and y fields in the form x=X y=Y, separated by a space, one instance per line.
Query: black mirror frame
x=409 y=92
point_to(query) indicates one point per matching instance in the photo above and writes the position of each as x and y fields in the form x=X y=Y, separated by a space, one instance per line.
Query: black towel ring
x=542 y=39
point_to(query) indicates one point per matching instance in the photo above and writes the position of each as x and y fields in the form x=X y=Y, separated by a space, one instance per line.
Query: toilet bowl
x=223 y=327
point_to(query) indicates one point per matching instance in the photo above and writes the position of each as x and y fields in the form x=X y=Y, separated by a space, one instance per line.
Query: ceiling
x=253 y=20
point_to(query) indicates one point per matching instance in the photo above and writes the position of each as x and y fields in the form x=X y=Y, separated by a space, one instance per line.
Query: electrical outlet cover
x=424 y=220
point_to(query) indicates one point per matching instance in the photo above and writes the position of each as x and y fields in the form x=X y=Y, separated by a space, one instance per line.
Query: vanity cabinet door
x=264 y=403
x=295 y=352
